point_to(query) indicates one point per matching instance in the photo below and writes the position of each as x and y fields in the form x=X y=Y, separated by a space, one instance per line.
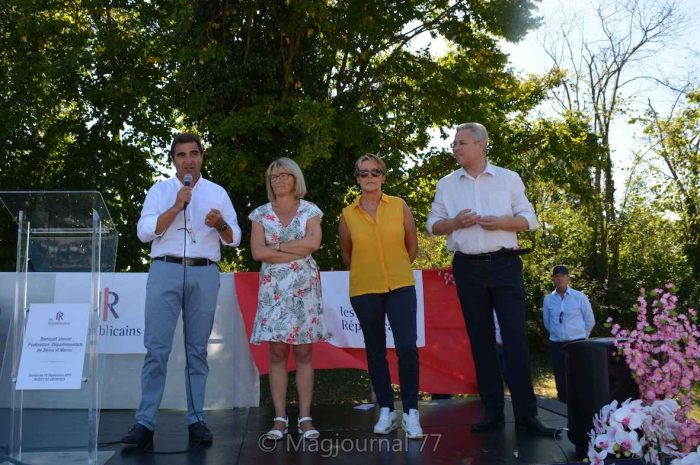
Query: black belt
x=492 y=255
x=187 y=261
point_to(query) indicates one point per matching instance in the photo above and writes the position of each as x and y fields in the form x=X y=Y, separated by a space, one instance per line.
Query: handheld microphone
x=187 y=180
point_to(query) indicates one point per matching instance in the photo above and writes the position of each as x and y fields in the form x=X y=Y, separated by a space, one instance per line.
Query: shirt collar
x=356 y=203
x=566 y=292
x=176 y=180
x=490 y=169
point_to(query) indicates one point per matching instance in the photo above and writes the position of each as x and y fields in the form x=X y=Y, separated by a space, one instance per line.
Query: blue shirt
x=568 y=318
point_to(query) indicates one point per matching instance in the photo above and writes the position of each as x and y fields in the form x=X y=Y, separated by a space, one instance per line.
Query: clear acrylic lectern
x=56 y=232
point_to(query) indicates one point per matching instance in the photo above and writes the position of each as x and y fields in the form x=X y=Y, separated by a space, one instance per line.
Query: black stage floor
x=346 y=438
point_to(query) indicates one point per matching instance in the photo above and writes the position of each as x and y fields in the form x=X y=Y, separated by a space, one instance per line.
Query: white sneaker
x=386 y=422
x=410 y=423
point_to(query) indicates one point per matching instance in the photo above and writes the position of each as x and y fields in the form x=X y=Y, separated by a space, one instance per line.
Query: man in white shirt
x=185 y=218
x=568 y=317
x=481 y=208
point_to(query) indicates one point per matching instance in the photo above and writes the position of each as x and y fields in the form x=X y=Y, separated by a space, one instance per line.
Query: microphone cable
x=184 y=324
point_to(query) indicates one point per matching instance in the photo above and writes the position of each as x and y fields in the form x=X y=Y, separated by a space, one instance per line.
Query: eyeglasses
x=561 y=317
x=374 y=172
x=190 y=233
x=462 y=143
x=281 y=177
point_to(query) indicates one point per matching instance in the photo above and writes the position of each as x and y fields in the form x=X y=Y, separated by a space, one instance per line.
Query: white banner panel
x=339 y=316
x=122 y=306
x=53 y=350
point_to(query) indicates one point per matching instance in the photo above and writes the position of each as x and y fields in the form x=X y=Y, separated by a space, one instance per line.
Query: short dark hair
x=560 y=269
x=183 y=138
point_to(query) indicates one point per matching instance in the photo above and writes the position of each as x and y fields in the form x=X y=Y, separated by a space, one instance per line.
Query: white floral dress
x=289 y=299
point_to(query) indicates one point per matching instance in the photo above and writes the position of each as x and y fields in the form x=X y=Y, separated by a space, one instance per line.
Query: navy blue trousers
x=484 y=286
x=399 y=306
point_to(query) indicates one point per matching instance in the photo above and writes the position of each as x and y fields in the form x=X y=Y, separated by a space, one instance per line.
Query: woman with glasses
x=378 y=244
x=285 y=232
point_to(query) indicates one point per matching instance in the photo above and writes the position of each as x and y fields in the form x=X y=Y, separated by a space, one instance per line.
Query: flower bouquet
x=663 y=354
x=649 y=432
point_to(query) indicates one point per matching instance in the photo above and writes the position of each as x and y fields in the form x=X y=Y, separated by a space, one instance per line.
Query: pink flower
x=597 y=457
x=662 y=352
x=629 y=416
x=628 y=441
x=605 y=443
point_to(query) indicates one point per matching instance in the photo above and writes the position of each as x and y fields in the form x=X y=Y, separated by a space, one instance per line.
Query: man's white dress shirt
x=495 y=192
x=202 y=241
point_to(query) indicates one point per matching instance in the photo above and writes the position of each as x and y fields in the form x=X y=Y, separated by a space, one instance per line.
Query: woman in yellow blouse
x=378 y=243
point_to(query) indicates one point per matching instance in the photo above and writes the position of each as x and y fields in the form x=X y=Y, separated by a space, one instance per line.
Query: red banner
x=446 y=364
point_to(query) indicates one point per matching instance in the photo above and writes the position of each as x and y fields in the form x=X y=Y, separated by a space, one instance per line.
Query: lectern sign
x=53 y=352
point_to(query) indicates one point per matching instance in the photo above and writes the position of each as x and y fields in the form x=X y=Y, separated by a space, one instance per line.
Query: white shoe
x=309 y=433
x=386 y=422
x=410 y=423
x=277 y=434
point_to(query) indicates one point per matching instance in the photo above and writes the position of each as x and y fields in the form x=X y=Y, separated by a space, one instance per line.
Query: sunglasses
x=374 y=172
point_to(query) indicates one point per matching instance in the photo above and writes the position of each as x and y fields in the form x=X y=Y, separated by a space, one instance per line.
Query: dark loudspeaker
x=595 y=376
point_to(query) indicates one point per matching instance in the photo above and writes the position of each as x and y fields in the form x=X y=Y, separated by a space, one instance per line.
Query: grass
x=351 y=386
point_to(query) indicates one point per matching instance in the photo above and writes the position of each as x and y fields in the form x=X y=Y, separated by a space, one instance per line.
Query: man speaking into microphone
x=185 y=218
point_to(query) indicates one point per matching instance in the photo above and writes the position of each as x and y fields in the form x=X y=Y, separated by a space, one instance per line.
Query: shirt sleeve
x=255 y=215
x=146 y=226
x=587 y=312
x=545 y=313
x=229 y=214
x=521 y=205
x=438 y=212
x=314 y=211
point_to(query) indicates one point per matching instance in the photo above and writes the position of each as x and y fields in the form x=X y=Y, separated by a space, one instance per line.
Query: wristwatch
x=222 y=228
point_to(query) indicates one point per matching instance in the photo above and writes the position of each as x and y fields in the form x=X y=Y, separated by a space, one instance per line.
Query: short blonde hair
x=293 y=169
x=369 y=157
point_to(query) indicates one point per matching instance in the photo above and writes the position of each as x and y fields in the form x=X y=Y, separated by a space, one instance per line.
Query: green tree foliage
x=675 y=142
x=653 y=251
x=95 y=90
x=598 y=74
x=82 y=108
x=325 y=82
